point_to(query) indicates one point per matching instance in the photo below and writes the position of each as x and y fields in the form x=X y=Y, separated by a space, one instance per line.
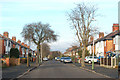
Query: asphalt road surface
x=56 y=69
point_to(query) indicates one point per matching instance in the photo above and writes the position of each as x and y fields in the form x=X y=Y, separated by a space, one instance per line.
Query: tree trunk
x=37 y=58
x=83 y=57
x=38 y=54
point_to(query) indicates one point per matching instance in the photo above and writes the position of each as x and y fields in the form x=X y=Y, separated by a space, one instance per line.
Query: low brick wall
x=14 y=61
x=10 y=61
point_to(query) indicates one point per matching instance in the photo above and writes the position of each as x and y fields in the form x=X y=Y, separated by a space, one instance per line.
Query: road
x=56 y=69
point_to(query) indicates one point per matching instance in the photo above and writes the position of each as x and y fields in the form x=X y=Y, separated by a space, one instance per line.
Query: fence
x=109 y=62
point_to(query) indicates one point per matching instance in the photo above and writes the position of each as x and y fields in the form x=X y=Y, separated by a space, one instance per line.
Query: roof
x=12 y=41
x=107 y=37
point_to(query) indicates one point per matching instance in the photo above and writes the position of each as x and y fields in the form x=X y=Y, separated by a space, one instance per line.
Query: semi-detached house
x=6 y=44
x=103 y=44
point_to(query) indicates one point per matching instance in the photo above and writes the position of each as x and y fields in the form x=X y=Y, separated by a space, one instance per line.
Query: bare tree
x=38 y=33
x=45 y=49
x=81 y=18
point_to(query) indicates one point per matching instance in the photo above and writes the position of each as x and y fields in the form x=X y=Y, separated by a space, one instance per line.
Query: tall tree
x=81 y=19
x=38 y=33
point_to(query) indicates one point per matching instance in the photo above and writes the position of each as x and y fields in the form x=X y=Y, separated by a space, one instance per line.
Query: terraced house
x=103 y=44
x=6 y=44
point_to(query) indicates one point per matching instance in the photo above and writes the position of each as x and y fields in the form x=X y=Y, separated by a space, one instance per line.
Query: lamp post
x=93 y=47
x=93 y=55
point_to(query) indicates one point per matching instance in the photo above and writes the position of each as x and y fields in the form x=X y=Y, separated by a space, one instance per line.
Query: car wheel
x=89 y=62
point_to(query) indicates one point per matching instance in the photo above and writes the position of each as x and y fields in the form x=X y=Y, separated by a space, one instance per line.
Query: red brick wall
x=3 y=47
x=1 y=43
x=109 y=46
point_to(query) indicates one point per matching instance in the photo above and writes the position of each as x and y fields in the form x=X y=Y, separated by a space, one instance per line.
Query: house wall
x=117 y=42
x=89 y=49
x=99 y=49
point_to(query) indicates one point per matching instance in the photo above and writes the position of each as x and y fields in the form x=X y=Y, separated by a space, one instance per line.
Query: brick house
x=103 y=44
x=72 y=51
x=6 y=44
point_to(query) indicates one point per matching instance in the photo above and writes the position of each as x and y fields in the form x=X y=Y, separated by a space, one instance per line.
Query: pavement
x=108 y=72
x=17 y=71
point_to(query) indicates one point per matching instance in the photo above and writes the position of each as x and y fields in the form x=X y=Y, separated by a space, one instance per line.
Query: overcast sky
x=14 y=14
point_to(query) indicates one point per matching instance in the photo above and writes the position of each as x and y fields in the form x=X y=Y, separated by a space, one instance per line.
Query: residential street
x=56 y=69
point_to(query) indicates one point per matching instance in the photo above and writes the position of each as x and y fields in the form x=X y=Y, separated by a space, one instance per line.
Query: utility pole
x=93 y=55
x=41 y=52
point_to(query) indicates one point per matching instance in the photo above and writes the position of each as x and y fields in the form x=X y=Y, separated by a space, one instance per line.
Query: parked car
x=61 y=59
x=67 y=60
x=45 y=59
x=89 y=59
x=58 y=58
x=55 y=58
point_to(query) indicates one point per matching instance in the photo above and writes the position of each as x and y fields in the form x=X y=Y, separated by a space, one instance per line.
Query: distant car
x=55 y=58
x=62 y=59
x=89 y=59
x=45 y=59
x=67 y=60
x=58 y=58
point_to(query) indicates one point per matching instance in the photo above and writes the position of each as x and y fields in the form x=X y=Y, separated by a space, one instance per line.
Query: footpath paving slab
x=15 y=71
x=113 y=73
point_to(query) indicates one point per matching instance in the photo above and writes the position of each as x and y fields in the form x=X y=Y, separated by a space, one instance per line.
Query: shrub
x=14 y=53
x=29 y=54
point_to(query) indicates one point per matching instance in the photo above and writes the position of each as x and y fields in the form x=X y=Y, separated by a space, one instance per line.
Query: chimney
x=91 y=38
x=22 y=44
x=14 y=38
x=115 y=27
x=19 y=41
x=6 y=34
x=28 y=46
x=25 y=45
x=101 y=34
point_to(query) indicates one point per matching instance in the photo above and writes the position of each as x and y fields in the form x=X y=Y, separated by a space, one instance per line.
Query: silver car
x=62 y=59
x=67 y=60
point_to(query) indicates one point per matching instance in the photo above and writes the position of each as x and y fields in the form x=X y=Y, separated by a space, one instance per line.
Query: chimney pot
x=91 y=38
x=115 y=27
x=14 y=38
x=22 y=43
x=19 y=41
x=6 y=34
x=101 y=34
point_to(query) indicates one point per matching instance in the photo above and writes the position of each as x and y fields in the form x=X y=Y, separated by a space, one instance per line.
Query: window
x=105 y=43
x=114 y=41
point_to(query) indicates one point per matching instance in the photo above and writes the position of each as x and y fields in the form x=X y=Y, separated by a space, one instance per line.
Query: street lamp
x=93 y=47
